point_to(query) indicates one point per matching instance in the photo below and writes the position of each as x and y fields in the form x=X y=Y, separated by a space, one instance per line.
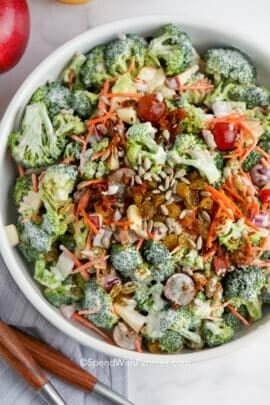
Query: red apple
x=14 y=32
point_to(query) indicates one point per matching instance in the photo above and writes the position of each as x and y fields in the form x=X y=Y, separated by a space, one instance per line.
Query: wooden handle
x=56 y=363
x=14 y=353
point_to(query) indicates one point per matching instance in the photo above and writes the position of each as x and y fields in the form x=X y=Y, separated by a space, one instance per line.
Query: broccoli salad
x=143 y=192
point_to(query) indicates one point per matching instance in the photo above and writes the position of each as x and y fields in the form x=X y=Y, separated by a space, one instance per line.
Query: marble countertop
x=241 y=377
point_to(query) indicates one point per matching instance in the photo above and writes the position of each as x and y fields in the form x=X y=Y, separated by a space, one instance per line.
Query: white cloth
x=16 y=310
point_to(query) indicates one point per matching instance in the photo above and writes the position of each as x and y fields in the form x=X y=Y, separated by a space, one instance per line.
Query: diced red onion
x=173 y=82
x=110 y=281
x=68 y=310
x=65 y=264
x=112 y=189
x=209 y=138
x=261 y=220
x=260 y=175
x=124 y=336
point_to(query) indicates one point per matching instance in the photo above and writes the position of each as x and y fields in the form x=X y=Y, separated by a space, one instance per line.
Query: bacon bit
x=77 y=317
x=239 y=316
x=221 y=265
x=139 y=243
x=35 y=182
x=138 y=344
x=98 y=120
x=210 y=253
x=89 y=223
x=89 y=183
x=88 y=244
x=21 y=169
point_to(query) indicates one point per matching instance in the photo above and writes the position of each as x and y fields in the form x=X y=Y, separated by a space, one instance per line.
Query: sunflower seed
x=206 y=216
x=138 y=180
x=166 y=134
x=168 y=170
x=156 y=192
x=147 y=176
x=132 y=181
x=139 y=159
x=163 y=175
x=141 y=171
x=173 y=182
x=164 y=210
x=185 y=180
x=170 y=201
x=150 y=226
x=199 y=243
x=183 y=214
x=168 y=195
x=155 y=177
x=147 y=164
x=167 y=183
x=192 y=243
x=180 y=173
x=161 y=188
x=174 y=189
x=205 y=194
x=177 y=228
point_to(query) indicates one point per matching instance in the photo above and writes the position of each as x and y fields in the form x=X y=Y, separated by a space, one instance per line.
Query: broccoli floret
x=189 y=258
x=253 y=96
x=216 y=333
x=231 y=233
x=119 y=53
x=243 y=286
x=57 y=185
x=264 y=141
x=91 y=169
x=171 y=342
x=162 y=271
x=219 y=160
x=182 y=321
x=80 y=233
x=34 y=240
x=194 y=121
x=219 y=93
x=93 y=72
x=229 y=64
x=55 y=96
x=190 y=150
x=155 y=252
x=67 y=124
x=140 y=142
x=265 y=255
x=125 y=259
x=73 y=151
x=72 y=72
x=96 y=298
x=22 y=187
x=231 y=320
x=36 y=144
x=48 y=275
x=84 y=103
x=68 y=241
x=66 y=294
x=251 y=160
x=149 y=298
x=172 y=49
x=54 y=223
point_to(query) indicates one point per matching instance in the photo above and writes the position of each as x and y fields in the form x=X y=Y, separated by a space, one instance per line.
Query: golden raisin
x=206 y=204
x=190 y=197
x=153 y=347
x=171 y=241
x=157 y=199
x=147 y=210
x=174 y=210
x=198 y=184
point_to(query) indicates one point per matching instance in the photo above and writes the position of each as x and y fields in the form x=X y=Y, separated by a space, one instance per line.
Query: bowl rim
x=55 y=318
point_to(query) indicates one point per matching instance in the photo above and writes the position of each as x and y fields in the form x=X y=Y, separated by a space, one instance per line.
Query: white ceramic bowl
x=203 y=36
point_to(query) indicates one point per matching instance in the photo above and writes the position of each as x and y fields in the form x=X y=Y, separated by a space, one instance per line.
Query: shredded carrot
x=77 y=317
x=220 y=197
x=21 y=170
x=210 y=253
x=89 y=183
x=210 y=237
x=263 y=153
x=121 y=224
x=126 y=95
x=139 y=243
x=104 y=118
x=89 y=223
x=91 y=263
x=34 y=182
x=198 y=85
x=138 y=344
x=239 y=316
x=78 y=139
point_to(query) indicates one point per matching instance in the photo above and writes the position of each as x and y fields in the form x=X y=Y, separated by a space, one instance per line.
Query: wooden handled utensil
x=19 y=358
x=62 y=367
